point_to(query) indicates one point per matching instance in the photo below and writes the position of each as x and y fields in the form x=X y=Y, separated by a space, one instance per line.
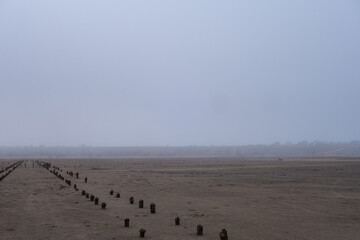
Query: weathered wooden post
x=199 y=230
x=87 y=195
x=85 y=179
x=118 y=195
x=103 y=205
x=127 y=222
x=131 y=200
x=142 y=233
x=77 y=175
x=92 y=197
x=75 y=186
x=111 y=192
x=96 y=201
x=152 y=208
x=141 y=203
x=83 y=192
x=223 y=234
x=177 y=221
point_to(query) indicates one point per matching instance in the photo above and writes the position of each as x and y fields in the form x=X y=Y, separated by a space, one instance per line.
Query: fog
x=178 y=73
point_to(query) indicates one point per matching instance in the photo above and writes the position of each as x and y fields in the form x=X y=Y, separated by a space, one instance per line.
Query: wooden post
x=142 y=233
x=96 y=201
x=141 y=203
x=127 y=222
x=131 y=200
x=103 y=205
x=111 y=192
x=223 y=234
x=199 y=230
x=118 y=195
x=177 y=221
x=152 y=208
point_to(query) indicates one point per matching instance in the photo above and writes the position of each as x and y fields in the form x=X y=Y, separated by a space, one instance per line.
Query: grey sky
x=178 y=72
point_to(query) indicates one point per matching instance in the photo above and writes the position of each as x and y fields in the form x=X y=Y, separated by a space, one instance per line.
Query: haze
x=157 y=73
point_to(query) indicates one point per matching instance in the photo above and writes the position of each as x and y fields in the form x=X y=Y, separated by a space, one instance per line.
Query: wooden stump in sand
x=131 y=200
x=142 y=233
x=103 y=205
x=92 y=197
x=177 y=221
x=152 y=208
x=111 y=192
x=117 y=195
x=127 y=222
x=199 y=230
x=223 y=234
x=83 y=192
x=141 y=203
x=96 y=201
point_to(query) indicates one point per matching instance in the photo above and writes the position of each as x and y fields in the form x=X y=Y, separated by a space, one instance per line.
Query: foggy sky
x=155 y=73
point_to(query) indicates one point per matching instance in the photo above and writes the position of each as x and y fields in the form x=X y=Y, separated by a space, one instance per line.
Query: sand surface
x=251 y=199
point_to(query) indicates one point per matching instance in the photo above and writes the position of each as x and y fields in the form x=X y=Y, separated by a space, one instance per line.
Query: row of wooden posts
x=12 y=167
x=199 y=229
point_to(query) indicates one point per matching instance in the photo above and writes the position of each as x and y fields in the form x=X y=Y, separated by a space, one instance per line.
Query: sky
x=178 y=73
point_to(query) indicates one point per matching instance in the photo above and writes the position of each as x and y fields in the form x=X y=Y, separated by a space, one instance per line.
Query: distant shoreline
x=300 y=150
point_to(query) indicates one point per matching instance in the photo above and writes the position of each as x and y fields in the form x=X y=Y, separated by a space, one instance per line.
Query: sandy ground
x=252 y=199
